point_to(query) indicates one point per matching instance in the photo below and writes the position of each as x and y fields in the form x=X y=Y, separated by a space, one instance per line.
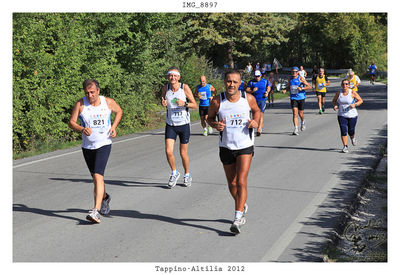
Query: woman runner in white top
x=346 y=101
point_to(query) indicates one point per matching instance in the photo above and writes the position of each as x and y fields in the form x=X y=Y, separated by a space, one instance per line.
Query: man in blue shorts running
x=259 y=87
x=372 y=71
x=297 y=86
x=94 y=112
x=205 y=93
x=178 y=98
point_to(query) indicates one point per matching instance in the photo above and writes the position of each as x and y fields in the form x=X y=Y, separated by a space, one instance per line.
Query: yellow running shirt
x=353 y=83
x=320 y=84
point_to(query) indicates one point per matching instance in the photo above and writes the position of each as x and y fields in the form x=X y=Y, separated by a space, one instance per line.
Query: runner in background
x=314 y=73
x=248 y=69
x=302 y=72
x=259 y=88
x=372 y=71
x=272 y=84
x=320 y=84
x=178 y=98
x=354 y=80
x=297 y=86
x=205 y=93
x=345 y=102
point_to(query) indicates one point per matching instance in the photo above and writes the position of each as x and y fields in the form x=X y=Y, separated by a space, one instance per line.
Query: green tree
x=238 y=36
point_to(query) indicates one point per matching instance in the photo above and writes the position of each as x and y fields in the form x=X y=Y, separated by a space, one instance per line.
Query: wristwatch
x=186 y=104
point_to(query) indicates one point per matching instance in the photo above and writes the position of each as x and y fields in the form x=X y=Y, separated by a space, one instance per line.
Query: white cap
x=257 y=73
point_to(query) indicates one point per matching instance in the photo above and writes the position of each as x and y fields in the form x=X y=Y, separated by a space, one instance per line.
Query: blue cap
x=295 y=69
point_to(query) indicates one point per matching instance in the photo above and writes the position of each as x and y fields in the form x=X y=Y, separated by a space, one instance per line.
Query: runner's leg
x=169 y=151
x=319 y=102
x=99 y=190
x=295 y=111
x=203 y=122
x=230 y=173
x=301 y=114
x=185 y=157
x=242 y=170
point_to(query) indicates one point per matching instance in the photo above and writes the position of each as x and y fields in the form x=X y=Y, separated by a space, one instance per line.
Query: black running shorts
x=228 y=156
x=299 y=104
x=203 y=110
x=96 y=159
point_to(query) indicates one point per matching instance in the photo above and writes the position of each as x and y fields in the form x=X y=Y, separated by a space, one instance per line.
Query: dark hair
x=90 y=82
x=345 y=80
x=232 y=71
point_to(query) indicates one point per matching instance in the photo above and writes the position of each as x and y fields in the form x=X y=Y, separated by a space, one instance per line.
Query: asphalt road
x=298 y=186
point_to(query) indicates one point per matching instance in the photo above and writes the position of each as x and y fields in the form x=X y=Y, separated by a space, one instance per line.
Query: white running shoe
x=210 y=129
x=345 y=149
x=93 y=216
x=296 y=131
x=187 y=180
x=303 y=126
x=236 y=226
x=205 y=133
x=353 y=141
x=173 y=179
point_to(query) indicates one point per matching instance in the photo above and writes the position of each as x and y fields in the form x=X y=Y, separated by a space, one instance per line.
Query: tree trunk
x=231 y=64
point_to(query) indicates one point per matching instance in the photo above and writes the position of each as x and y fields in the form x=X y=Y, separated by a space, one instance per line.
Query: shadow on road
x=124 y=183
x=124 y=214
x=332 y=213
x=17 y=207
x=299 y=148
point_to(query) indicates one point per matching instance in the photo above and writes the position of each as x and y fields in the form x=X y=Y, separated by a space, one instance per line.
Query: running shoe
x=354 y=141
x=320 y=111
x=105 y=205
x=345 y=149
x=303 y=126
x=93 y=216
x=237 y=225
x=187 y=180
x=173 y=179
x=210 y=130
x=205 y=133
x=295 y=132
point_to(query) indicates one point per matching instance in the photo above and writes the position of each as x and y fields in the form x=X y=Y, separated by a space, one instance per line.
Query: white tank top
x=236 y=134
x=176 y=115
x=98 y=118
x=344 y=105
